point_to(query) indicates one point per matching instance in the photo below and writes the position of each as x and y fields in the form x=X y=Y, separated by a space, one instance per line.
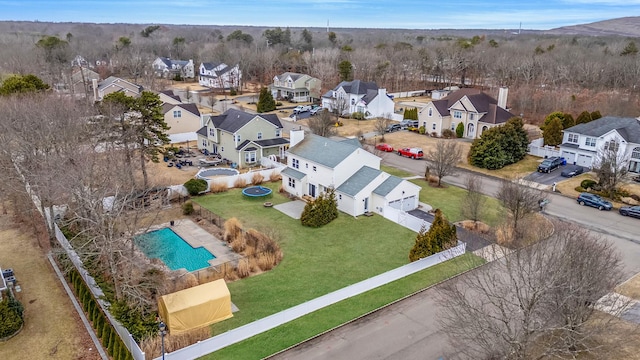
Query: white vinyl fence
x=244 y=332
x=405 y=219
x=405 y=94
x=247 y=177
x=537 y=148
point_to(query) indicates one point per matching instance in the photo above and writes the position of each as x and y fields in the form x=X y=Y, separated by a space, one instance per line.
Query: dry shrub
x=243 y=268
x=240 y=183
x=261 y=242
x=250 y=251
x=232 y=229
x=152 y=346
x=281 y=189
x=504 y=235
x=184 y=281
x=433 y=180
x=210 y=274
x=266 y=261
x=274 y=176
x=475 y=226
x=238 y=244
x=257 y=178
x=253 y=263
x=218 y=187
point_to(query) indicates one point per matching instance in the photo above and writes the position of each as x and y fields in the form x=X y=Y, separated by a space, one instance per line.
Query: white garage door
x=570 y=156
x=584 y=160
x=407 y=204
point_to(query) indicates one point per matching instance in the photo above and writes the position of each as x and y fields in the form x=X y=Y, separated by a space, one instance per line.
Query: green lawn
x=395 y=172
x=316 y=261
x=327 y=318
x=449 y=199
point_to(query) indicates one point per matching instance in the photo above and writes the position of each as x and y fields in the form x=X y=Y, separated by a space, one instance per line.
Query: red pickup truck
x=414 y=153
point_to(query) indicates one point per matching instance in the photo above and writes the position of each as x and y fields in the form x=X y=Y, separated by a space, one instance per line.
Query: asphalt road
x=409 y=329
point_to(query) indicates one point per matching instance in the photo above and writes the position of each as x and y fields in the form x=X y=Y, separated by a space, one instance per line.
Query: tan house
x=241 y=137
x=114 y=84
x=296 y=87
x=476 y=110
x=183 y=119
x=168 y=96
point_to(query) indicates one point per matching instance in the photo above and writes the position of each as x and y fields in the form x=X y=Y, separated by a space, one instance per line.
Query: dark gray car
x=633 y=211
x=594 y=200
x=572 y=170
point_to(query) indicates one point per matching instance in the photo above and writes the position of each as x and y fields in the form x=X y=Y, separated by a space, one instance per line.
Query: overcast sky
x=408 y=14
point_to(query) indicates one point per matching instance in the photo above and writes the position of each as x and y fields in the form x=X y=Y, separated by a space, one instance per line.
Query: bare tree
x=444 y=158
x=322 y=124
x=611 y=166
x=474 y=201
x=381 y=125
x=536 y=302
x=519 y=200
x=340 y=107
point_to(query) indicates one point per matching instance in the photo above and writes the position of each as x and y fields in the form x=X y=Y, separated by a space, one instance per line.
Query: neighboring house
x=81 y=79
x=114 y=84
x=359 y=96
x=183 y=120
x=581 y=144
x=241 y=137
x=169 y=68
x=315 y=164
x=219 y=76
x=296 y=87
x=80 y=61
x=169 y=97
x=475 y=109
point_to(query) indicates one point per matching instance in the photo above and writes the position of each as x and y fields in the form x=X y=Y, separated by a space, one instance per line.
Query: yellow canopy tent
x=196 y=307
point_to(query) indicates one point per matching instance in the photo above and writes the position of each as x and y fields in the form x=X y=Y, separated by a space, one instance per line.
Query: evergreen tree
x=266 y=102
x=583 y=118
x=568 y=121
x=500 y=146
x=345 y=70
x=150 y=130
x=320 y=211
x=630 y=49
x=596 y=115
x=552 y=133
x=440 y=236
x=460 y=130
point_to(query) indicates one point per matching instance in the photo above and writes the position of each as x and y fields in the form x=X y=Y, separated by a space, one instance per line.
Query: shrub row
x=104 y=330
x=11 y=316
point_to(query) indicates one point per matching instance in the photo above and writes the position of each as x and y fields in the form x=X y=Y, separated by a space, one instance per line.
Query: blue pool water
x=166 y=245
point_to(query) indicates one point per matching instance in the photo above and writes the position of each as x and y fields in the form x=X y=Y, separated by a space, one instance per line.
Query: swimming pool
x=166 y=245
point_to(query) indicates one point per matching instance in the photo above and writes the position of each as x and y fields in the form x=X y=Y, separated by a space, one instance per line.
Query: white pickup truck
x=301 y=108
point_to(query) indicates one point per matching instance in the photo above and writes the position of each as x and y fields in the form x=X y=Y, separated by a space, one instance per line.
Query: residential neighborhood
x=429 y=194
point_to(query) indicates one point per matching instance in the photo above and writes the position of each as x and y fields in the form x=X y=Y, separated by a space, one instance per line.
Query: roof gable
x=628 y=128
x=359 y=180
x=323 y=151
x=192 y=108
x=233 y=120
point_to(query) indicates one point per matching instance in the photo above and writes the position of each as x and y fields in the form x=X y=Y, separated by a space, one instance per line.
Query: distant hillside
x=626 y=26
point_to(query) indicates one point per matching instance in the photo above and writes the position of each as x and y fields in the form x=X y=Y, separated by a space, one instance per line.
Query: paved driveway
x=547 y=178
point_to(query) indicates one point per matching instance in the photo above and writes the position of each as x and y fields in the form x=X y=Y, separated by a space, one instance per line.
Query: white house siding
x=346 y=203
x=352 y=163
x=382 y=105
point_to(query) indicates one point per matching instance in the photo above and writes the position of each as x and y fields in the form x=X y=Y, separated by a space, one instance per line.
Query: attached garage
x=570 y=156
x=405 y=204
x=196 y=307
x=584 y=160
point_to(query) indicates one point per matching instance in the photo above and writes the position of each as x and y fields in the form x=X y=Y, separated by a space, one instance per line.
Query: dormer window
x=177 y=113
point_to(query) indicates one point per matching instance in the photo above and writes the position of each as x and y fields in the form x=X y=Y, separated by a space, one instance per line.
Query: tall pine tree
x=440 y=236
x=266 y=102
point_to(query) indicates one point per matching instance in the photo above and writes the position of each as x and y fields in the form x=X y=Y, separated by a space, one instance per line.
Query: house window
x=295 y=163
x=573 y=138
x=430 y=112
x=339 y=196
x=250 y=156
x=177 y=113
x=457 y=114
x=222 y=148
x=353 y=101
x=278 y=132
x=212 y=132
x=314 y=169
x=204 y=143
x=361 y=109
x=611 y=145
x=306 y=165
x=471 y=116
x=259 y=136
x=636 y=153
x=590 y=141
x=292 y=183
x=433 y=126
x=453 y=126
x=238 y=137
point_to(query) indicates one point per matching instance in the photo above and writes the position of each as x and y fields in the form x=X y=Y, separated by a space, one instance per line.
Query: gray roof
x=293 y=173
x=483 y=103
x=389 y=184
x=371 y=94
x=202 y=131
x=357 y=87
x=169 y=62
x=294 y=76
x=171 y=94
x=232 y=120
x=192 y=108
x=363 y=177
x=271 y=142
x=352 y=141
x=112 y=79
x=323 y=151
x=628 y=128
x=570 y=145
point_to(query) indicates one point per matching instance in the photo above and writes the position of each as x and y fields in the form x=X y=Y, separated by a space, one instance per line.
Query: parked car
x=315 y=109
x=384 y=147
x=406 y=123
x=414 y=153
x=301 y=108
x=572 y=170
x=633 y=211
x=594 y=200
x=393 y=127
x=550 y=164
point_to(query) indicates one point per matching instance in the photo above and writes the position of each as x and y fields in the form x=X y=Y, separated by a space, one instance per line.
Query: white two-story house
x=296 y=87
x=316 y=163
x=583 y=144
x=169 y=68
x=219 y=76
x=476 y=110
x=359 y=96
